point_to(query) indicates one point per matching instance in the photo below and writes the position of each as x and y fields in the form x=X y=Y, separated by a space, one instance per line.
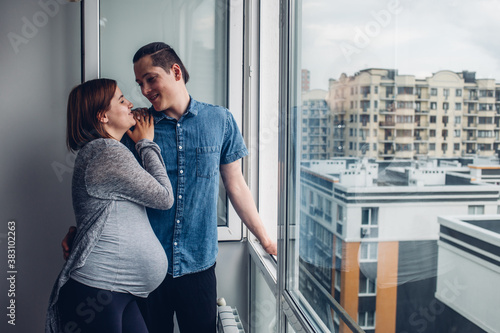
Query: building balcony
x=386 y=124
x=388 y=138
x=421 y=151
x=404 y=154
x=421 y=137
x=386 y=152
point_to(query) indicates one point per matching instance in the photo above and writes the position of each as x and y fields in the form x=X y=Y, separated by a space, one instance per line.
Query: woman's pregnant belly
x=128 y=257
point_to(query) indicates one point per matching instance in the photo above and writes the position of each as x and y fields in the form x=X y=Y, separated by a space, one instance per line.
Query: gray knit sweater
x=106 y=172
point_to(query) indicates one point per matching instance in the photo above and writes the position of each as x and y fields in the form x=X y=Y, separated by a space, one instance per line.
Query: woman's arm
x=115 y=174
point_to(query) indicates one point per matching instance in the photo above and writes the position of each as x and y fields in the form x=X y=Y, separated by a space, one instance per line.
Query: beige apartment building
x=380 y=114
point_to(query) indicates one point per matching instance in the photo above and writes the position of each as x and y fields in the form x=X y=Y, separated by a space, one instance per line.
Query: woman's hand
x=144 y=127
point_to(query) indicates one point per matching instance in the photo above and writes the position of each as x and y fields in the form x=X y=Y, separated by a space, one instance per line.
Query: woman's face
x=119 y=118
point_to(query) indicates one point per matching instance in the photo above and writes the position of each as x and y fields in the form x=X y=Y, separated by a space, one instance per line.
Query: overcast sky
x=417 y=37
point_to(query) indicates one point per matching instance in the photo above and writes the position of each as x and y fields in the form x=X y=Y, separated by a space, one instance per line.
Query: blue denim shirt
x=193 y=149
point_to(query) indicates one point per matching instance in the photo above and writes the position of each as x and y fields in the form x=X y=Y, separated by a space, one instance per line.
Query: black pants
x=86 y=309
x=192 y=297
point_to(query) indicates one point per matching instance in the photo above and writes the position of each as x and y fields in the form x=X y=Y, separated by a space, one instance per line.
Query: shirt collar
x=192 y=110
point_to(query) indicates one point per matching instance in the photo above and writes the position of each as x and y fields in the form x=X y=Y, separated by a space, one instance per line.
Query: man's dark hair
x=163 y=56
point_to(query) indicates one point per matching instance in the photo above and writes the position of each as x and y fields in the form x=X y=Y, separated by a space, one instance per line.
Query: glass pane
x=262 y=303
x=196 y=29
x=388 y=100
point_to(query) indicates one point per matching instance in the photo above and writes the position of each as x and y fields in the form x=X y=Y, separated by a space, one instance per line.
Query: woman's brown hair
x=86 y=103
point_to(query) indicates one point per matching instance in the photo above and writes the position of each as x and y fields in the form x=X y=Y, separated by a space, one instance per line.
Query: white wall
x=37 y=76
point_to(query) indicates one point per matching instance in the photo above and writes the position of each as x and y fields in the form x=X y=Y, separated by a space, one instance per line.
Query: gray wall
x=39 y=65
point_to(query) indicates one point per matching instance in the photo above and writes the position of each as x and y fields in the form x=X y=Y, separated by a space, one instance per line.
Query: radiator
x=228 y=320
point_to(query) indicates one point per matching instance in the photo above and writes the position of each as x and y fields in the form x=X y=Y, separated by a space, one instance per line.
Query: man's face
x=158 y=86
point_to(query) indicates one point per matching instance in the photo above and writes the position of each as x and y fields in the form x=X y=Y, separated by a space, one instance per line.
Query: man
x=197 y=140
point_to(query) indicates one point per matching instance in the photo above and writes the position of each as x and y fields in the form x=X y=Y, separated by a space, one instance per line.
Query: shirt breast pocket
x=207 y=161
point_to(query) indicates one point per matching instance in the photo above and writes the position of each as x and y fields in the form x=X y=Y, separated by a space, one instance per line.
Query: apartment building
x=316 y=126
x=372 y=245
x=386 y=115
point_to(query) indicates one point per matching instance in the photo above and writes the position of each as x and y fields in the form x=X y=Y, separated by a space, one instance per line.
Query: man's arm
x=67 y=242
x=243 y=203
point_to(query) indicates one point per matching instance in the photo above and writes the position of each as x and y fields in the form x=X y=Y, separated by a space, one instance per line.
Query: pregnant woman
x=116 y=257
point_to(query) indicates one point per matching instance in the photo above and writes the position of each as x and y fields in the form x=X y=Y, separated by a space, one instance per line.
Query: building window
x=366 y=320
x=434 y=91
x=367 y=286
x=432 y=146
x=456 y=146
x=458 y=106
x=457 y=133
x=432 y=133
x=432 y=119
x=446 y=92
x=458 y=120
x=337 y=280
x=476 y=210
x=433 y=105
x=340 y=219
x=368 y=251
x=369 y=222
x=458 y=92
x=338 y=247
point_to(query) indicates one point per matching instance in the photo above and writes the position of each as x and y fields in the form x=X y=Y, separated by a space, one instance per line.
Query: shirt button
x=175 y=243
x=178 y=125
x=180 y=147
x=178 y=221
x=180 y=196
x=182 y=171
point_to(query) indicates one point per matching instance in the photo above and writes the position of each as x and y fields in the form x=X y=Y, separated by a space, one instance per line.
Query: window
x=458 y=106
x=337 y=280
x=476 y=210
x=367 y=286
x=369 y=222
x=340 y=219
x=191 y=38
x=366 y=320
x=378 y=228
x=368 y=252
x=432 y=133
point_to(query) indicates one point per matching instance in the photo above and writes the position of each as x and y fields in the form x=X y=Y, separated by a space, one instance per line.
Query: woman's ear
x=103 y=118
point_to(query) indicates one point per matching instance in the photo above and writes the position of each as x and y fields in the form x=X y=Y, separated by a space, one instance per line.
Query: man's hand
x=271 y=247
x=67 y=242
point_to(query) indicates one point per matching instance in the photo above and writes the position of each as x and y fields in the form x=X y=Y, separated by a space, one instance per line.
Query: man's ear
x=176 y=70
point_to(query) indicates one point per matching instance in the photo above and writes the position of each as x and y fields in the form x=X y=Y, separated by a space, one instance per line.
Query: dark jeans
x=192 y=297
x=86 y=309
